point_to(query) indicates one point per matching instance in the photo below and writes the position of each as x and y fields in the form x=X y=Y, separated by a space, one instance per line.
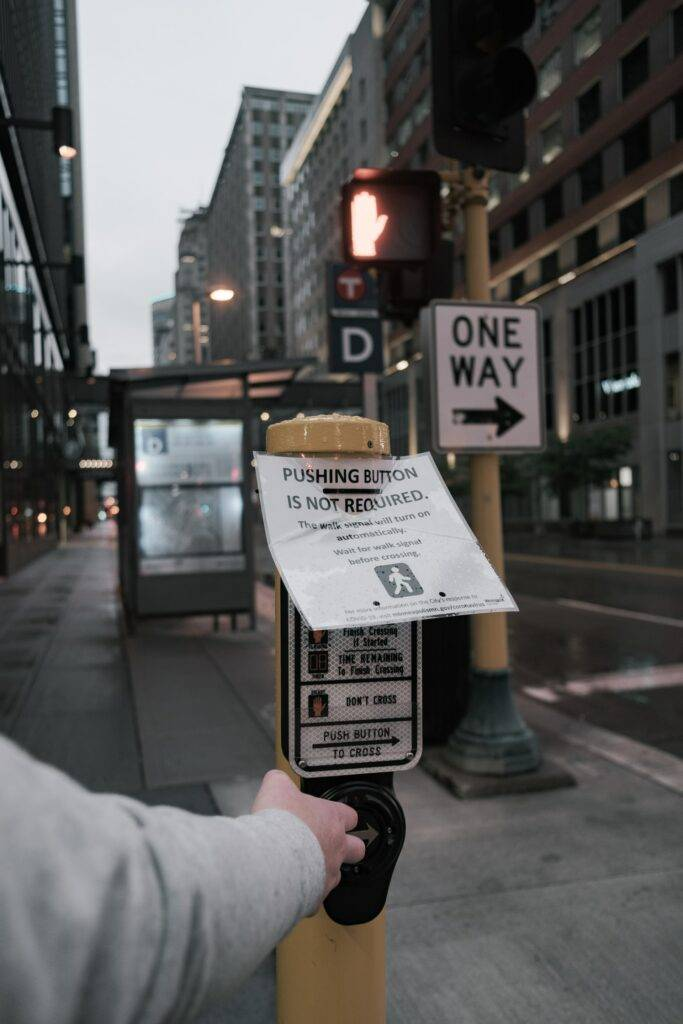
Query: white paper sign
x=366 y=541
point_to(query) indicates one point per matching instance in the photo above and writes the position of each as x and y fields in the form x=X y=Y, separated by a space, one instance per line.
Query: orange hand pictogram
x=366 y=224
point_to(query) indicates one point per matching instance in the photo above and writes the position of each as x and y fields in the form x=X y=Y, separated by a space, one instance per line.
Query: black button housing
x=362 y=892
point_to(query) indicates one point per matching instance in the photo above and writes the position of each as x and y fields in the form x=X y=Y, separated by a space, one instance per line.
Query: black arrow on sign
x=504 y=416
x=352 y=743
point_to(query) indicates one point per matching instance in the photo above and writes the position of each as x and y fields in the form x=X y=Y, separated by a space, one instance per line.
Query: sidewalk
x=551 y=908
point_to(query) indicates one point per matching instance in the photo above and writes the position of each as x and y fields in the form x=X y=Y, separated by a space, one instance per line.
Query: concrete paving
x=547 y=908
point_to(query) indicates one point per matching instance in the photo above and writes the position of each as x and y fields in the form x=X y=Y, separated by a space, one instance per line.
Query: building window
x=549 y=75
x=628 y=7
x=588 y=108
x=605 y=364
x=635 y=68
x=363 y=130
x=587 y=245
x=675 y=194
x=672 y=385
x=632 y=220
x=520 y=228
x=590 y=178
x=517 y=285
x=678 y=116
x=668 y=275
x=361 y=90
x=551 y=141
x=553 y=209
x=494 y=192
x=550 y=267
x=548 y=376
x=494 y=246
x=547 y=12
x=677 y=19
x=587 y=36
x=635 y=146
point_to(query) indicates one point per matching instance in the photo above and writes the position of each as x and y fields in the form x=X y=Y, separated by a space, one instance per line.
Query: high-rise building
x=245 y=234
x=43 y=336
x=590 y=230
x=344 y=129
x=164 y=351
x=191 y=301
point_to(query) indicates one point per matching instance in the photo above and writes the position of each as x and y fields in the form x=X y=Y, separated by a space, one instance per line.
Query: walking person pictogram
x=399 y=580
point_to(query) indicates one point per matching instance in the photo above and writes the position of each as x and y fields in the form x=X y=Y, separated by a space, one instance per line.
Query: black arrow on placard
x=504 y=416
x=353 y=743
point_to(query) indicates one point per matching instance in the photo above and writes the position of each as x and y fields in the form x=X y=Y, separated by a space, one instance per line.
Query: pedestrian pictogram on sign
x=399 y=580
x=485 y=375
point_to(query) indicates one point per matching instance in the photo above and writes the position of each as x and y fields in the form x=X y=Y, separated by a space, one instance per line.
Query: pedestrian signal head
x=390 y=217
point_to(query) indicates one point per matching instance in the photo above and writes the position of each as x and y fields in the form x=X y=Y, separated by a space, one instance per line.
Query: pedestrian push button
x=362 y=892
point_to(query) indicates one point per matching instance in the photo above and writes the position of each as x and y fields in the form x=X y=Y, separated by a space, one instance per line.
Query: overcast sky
x=160 y=87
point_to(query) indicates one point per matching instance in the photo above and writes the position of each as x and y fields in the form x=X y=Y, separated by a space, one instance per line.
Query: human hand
x=328 y=820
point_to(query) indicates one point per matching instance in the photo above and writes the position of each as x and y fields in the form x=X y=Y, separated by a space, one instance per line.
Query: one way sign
x=486 y=376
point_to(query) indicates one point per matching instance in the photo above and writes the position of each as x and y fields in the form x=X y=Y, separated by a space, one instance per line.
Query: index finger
x=349 y=817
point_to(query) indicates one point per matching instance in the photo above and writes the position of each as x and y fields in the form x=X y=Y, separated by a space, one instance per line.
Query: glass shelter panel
x=190 y=503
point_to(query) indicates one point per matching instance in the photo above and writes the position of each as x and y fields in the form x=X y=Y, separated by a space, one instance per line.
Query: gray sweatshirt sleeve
x=112 y=912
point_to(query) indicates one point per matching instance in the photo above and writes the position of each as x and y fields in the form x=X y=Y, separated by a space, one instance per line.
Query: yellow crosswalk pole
x=327 y=973
x=493 y=738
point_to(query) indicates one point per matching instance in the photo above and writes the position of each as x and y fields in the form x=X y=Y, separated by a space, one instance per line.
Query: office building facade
x=43 y=336
x=590 y=230
x=191 y=300
x=344 y=129
x=245 y=233
x=164 y=351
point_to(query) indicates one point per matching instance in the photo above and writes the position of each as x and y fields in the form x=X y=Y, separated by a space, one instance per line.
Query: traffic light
x=405 y=290
x=481 y=80
x=391 y=217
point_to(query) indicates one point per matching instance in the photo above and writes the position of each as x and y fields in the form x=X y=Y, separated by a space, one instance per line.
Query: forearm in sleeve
x=115 y=913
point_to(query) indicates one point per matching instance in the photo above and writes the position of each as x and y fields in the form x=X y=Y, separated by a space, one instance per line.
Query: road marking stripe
x=650 y=678
x=584 y=563
x=603 y=609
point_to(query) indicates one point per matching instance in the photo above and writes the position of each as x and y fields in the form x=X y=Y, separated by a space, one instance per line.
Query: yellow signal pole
x=492 y=739
x=327 y=973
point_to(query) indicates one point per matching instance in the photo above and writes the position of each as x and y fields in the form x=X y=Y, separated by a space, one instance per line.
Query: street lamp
x=219 y=294
x=59 y=124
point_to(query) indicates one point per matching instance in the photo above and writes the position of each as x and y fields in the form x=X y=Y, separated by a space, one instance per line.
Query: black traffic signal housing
x=405 y=290
x=481 y=80
x=390 y=218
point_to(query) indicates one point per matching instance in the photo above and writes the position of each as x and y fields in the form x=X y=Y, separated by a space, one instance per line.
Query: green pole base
x=492 y=738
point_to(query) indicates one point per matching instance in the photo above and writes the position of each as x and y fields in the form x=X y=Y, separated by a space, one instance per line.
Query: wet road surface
x=602 y=642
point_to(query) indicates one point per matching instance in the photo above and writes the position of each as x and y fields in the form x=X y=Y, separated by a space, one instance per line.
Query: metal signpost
x=486 y=376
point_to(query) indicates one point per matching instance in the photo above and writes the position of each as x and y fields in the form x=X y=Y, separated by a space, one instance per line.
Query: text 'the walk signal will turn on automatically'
x=481 y=80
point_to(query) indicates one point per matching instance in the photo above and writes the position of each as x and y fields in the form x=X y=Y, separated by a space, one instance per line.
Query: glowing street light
x=222 y=295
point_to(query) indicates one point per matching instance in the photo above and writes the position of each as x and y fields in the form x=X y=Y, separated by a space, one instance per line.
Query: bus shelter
x=184 y=439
